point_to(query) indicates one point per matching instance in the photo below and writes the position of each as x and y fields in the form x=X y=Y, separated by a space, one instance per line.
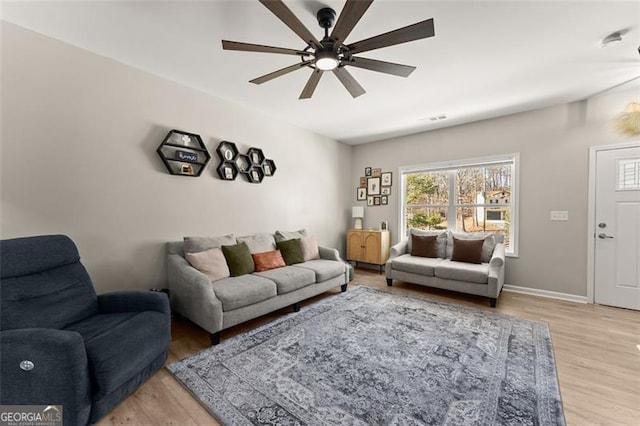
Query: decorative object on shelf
x=373 y=186
x=361 y=194
x=367 y=171
x=386 y=178
x=628 y=122
x=183 y=153
x=253 y=165
x=384 y=225
x=376 y=172
x=357 y=213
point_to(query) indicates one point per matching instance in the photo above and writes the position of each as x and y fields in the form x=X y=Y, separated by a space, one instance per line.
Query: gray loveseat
x=220 y=304
x=483 y=279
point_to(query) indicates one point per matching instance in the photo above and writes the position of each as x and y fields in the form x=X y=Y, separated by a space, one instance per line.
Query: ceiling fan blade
x=310 y=87
x=381 y=66
x=416 y=31
x=250 y=47
x=351 y=14
x=280 y=72
x=278 y=8
x=349 y=82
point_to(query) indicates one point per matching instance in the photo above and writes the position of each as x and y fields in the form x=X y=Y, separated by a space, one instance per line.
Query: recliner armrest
x=134 y=301
x=329 y=253
x=60 y=373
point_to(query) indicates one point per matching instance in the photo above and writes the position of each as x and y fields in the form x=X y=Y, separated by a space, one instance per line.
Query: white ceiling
x=488 y=58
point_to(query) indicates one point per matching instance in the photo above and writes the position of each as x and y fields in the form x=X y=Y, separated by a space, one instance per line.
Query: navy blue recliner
x=88 y=352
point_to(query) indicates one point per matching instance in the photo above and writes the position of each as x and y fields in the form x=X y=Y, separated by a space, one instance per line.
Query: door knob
x=603 y=236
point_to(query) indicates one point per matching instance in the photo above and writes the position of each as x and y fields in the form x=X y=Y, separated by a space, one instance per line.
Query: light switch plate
x=559 y=215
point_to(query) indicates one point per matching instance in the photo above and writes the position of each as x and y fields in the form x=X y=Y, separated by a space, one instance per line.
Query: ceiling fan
x=332 y=53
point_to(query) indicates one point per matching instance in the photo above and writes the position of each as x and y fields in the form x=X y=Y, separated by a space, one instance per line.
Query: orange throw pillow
x=268 y=260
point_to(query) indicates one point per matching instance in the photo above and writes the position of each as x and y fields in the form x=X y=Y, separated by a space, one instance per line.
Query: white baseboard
x=545 y=293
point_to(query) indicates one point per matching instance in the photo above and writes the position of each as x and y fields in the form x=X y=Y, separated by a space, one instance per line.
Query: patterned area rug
x=369 y=357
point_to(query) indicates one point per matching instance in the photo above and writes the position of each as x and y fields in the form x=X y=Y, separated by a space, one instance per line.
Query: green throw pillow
x=239 y=259
x=291 y=251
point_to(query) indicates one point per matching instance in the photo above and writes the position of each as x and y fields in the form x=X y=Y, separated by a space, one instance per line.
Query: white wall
x=553 y=144
x=79 y=138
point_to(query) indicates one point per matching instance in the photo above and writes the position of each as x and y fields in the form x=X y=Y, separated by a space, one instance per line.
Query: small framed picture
x=228 y=173
x=370 y=201
x=363 y=182
x=367 y=171
x=384 y=200
x=385 y=190
x=373 y=186
x=361 y=194
x=376 y=172
x=386 y=178
x=376 y=201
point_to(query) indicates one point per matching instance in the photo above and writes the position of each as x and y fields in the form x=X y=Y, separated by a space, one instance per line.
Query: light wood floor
x=595 y=350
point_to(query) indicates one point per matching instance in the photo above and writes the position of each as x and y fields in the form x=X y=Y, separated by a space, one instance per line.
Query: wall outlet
x=559 y=215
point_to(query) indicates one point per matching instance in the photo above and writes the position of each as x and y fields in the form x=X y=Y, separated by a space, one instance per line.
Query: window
x=628 y=174
x=477 y=195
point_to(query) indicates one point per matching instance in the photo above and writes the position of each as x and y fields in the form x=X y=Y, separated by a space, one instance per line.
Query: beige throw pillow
x=310 y=249
x=211 y=262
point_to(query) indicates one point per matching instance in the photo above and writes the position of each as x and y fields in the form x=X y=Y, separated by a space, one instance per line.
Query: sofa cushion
x=239 y=259
x=469 y=251
x=236 y=292
x=291 y=251
x=210 y=262
x=110 y=339
x=441 y=240
x=415 y=264
x=487 y=247
x=196 y=244
x=424 y=245
x=268 y=260
x=324 y=269
x=289 y=235
x=259 y=243
x=460 y=271
x=310 y=250
x=289 y=278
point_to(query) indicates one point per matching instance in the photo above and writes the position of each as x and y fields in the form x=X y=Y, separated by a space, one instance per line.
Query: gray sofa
x=218 y=305
x=484 y=279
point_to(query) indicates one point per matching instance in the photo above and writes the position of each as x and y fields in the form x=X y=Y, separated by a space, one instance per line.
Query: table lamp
x=357 y=212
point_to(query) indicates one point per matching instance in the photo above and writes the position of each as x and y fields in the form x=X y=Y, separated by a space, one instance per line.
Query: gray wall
x=79 y=134
x=553 y=144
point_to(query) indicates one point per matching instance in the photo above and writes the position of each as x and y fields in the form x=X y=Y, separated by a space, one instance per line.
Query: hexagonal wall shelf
x=227 y=170
x=243 y=162
x=269 y=167
x=183 y=153
x=255 y=175
x=227 y=151
x=256 y=156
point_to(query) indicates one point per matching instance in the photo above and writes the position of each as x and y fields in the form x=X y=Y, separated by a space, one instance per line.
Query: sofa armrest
x=329 y=253
x=133 y=301
x=192 y=294
x=398 y=249
x=496 y=271
x=60 y=373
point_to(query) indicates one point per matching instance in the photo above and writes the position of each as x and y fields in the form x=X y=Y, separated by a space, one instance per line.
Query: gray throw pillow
x=197 y=244
x=291 y=251
x=239 y=259
x=258 y=243
x=290 y=235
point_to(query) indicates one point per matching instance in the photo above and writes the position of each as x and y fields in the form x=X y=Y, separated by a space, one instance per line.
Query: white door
x=617 y=228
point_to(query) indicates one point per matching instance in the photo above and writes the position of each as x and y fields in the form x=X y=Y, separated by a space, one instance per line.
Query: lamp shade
x=357 y=211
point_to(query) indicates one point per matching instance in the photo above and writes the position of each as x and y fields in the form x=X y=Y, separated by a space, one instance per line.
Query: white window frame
x=512 y=251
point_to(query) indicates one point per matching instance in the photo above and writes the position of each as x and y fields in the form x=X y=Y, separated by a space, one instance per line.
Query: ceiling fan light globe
x=326 y=63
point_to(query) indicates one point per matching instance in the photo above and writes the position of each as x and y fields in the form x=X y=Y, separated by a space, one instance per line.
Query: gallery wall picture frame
x=370 y=201
x=376 y=201
x=367 y=171
x=387 y=178
x=373 y=186
x=361 y=194
x=376 y=172
x=385 y=190
x=384 y=200
x=363 y=182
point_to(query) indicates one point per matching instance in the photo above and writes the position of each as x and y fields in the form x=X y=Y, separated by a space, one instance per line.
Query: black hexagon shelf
x=227 y=170
x=256 y=156
x=227 y=151
x=269 y=167
x=183 y=153
x=255 y=175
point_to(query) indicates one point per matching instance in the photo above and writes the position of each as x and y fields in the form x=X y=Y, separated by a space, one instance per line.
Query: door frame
x=591 y=215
